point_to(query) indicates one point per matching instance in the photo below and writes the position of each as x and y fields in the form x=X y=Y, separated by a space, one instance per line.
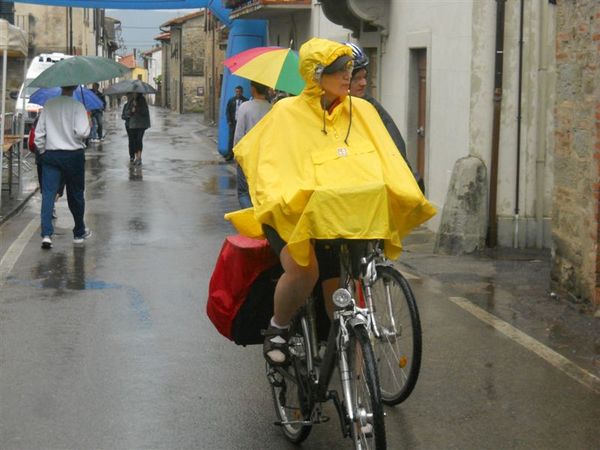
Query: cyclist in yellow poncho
x=322 y=166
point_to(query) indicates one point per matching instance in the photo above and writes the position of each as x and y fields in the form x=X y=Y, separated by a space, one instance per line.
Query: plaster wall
x=443 y=28
x=459 y=38
x=297 y=28
x=154 y=70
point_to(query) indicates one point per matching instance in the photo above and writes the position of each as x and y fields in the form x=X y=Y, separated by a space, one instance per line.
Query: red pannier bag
x=240 y=293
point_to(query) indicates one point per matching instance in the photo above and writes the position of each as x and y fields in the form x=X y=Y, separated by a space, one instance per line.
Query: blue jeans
x=96 y=131
x=242 y=189
x=70 y=165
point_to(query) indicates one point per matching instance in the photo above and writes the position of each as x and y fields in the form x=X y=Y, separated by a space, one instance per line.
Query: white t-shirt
x=63 y=125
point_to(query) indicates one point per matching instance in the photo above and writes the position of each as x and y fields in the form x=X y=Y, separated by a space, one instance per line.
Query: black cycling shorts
x=328 y=256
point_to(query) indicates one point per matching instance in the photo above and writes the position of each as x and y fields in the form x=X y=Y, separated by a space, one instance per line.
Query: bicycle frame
x=319 y=375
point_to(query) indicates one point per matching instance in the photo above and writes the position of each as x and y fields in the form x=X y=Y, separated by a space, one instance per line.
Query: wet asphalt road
x=108 y=346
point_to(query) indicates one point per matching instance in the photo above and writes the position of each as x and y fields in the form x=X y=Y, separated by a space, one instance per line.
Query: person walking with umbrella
x=60 y=135
x=138 y=117
x=134 y=111
x=61 y=132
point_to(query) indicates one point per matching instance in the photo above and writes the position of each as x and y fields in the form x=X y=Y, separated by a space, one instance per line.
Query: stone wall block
x=582 y=141
x=576 y=215
x=464 y=218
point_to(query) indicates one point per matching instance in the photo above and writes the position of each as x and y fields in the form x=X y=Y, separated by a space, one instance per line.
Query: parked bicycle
x=302 y=386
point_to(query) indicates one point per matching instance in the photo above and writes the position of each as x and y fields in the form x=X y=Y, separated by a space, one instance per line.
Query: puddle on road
x=219 y=184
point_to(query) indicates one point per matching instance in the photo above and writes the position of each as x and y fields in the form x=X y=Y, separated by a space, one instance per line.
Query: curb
x=19 y=207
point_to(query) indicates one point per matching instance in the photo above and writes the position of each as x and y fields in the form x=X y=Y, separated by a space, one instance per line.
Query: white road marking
x=557 y=360
x=14 y=251
x=409 y=275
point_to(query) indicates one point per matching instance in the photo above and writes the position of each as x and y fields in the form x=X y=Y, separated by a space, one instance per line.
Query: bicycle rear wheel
x=397 y=343
x=290 y=390
x=368 y=429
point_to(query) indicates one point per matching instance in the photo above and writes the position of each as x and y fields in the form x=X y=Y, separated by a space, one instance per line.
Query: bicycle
x=395 y=326
x=301 y=387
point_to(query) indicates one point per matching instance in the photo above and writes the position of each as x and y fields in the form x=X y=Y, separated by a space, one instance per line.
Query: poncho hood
x=315 y=55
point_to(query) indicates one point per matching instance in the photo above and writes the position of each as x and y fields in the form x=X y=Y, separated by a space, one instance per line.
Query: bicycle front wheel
x=397 y=339
x=368 y=428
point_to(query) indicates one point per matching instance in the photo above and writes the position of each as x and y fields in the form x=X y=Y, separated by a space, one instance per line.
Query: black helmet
x=361 y=60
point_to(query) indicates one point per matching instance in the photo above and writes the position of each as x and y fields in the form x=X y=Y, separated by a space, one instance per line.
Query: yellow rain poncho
x=307 y=183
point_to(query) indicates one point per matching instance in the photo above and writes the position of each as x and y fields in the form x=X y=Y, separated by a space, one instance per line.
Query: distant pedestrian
x=358 y=88
x=60 y=135
x=96 y=134
x=231 y=110
x=138 y=122
x=249 y=114
x=125 y=117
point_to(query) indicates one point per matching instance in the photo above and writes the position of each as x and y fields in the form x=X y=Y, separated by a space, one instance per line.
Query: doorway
x=417 y=116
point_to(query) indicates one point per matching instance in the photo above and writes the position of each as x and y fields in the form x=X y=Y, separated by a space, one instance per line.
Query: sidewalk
x=514 y=286
x=22 y=190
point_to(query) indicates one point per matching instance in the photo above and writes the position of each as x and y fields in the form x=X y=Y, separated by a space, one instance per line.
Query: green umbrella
x=79 y=70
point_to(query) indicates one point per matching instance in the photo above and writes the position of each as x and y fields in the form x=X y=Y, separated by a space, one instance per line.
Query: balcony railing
x=23 y=21
x=265 y=9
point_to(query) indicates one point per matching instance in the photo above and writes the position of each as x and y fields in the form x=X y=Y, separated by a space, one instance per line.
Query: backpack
x=31 y=139
x=241 y=288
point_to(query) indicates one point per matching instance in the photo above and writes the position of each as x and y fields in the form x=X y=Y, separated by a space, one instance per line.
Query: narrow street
x=108 y=346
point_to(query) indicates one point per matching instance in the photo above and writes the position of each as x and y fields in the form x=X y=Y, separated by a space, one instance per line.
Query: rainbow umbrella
x=276 y=67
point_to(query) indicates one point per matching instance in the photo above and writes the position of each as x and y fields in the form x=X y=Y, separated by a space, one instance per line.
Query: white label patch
x=342 y=151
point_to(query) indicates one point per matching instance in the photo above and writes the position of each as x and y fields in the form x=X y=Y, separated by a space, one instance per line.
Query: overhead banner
x=215 y=6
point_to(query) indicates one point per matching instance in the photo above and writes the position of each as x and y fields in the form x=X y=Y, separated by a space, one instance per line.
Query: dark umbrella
x=128 y=86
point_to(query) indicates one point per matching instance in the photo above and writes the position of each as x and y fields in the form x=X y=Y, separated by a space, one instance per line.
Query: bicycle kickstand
x=333 y=395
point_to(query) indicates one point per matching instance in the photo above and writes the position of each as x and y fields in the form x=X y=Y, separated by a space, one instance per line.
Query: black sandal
x=270 y=335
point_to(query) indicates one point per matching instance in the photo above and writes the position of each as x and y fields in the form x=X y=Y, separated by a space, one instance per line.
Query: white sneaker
x=81 y=239
x=46 y=242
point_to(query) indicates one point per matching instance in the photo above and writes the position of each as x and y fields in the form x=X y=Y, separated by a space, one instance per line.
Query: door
x=421 y=111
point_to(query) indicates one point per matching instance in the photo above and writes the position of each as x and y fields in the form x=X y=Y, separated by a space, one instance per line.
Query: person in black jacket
x=232 y=107
x=358 y=87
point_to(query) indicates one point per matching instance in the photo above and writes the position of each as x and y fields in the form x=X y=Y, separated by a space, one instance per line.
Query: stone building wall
x=193 y=94
x=193 y=51
x=174 y=70
x=216 y=43
x=49 y=30
x=575 y=228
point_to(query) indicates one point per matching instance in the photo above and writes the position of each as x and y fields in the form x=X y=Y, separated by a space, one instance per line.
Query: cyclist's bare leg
x=329 y=286
x=294 y=286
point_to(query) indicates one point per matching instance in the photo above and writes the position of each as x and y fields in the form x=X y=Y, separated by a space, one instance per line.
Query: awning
x=12 y=39
x=215 y=6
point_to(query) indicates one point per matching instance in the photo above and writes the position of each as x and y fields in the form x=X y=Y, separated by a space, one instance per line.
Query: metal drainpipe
x=380 y=52
x=520 y=95
x=181 y=84
x=540 y=162
x=70 y=30
x=498 y=67
x=2 y=111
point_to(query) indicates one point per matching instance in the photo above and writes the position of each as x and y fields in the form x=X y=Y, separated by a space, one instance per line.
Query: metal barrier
x=15 y=158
